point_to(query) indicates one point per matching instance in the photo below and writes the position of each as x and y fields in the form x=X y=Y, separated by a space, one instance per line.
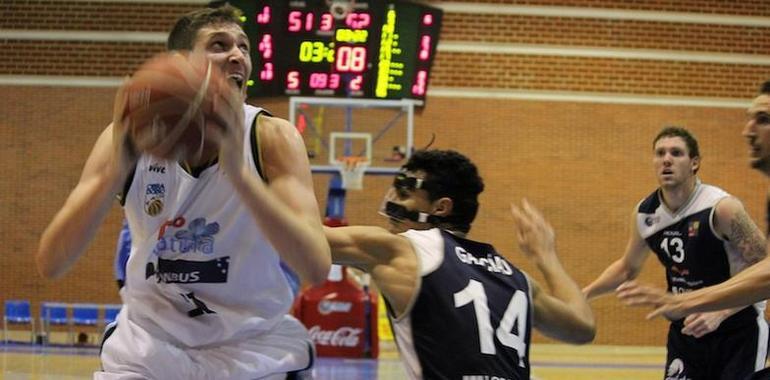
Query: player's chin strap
x=398 y=211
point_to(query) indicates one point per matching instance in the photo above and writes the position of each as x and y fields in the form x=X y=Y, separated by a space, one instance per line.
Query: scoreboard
x=379 y=49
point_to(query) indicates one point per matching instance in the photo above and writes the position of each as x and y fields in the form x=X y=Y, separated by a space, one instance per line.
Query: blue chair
x=17 y=312
x=84 y=314
x=53 y=314
x=111 y=313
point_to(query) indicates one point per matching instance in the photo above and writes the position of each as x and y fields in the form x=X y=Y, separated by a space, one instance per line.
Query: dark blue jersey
x=687 y=245
x=472 y=315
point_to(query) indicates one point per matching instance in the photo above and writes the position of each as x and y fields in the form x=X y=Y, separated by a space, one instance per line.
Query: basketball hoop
x=352 y=169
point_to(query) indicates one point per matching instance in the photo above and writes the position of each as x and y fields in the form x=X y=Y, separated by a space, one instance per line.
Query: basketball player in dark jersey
x=702 y=236
x=458 y=308
x=747 y=287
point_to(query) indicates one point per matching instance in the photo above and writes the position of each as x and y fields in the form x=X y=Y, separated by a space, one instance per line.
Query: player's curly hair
x=450 y=174
x=185 y=31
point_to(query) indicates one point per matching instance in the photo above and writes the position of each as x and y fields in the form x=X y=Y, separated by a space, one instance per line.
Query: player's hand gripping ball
x=170 y=106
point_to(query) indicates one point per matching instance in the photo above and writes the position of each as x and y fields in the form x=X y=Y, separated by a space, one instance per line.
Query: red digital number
x=266 y=46
x=309 y=18
x=319 y=80
x=420 y=83
x=358 y=20
x=267 y=72
x=427 y=19
x=424 y=48
x=356 y=82
x=292 y=80
x=334 y=81
x=351 y=59
x=327 y=22
x=295 y=21
x=264 y=17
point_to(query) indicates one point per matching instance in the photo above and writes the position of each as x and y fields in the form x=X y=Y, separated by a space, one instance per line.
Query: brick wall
x=626 y=34
x=90 y=15
x=584 y=164
x=729 y=7
x=630 y=76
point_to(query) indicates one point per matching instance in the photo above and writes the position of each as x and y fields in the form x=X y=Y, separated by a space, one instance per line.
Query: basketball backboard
x=334 y=128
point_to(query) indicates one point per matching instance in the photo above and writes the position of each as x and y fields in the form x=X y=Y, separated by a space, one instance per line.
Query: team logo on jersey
x=692 y=229
x=681 y=272
x=154 y=194
x=650 y=220
x=157 y=168
x=198 y=237
x=189 y=272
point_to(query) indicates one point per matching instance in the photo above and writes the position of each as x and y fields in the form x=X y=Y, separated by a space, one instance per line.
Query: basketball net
x=352 y=169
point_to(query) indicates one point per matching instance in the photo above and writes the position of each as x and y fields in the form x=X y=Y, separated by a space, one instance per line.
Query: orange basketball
x=169 y=107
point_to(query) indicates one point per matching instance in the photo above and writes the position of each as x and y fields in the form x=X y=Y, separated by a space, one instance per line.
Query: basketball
x=169 y=107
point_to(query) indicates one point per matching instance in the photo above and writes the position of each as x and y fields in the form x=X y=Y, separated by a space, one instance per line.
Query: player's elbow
x=585 y=334
x=583 y=330
x=45 y=267
x=319 y=272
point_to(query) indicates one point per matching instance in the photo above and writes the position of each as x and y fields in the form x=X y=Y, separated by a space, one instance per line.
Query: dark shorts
x=726 y=354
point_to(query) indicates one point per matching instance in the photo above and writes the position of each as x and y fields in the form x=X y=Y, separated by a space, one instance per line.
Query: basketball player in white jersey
x=460 y=310
x=702 y=236
x=205 y=297
x=750 y=286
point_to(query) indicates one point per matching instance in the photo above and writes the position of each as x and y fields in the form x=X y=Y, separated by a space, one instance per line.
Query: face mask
x=396 y=211
x=399 y=212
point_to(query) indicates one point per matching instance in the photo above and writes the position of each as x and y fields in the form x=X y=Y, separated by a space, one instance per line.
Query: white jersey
x=200 y=271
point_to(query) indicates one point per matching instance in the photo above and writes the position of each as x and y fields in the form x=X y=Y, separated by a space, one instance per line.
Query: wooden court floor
x=549 y=362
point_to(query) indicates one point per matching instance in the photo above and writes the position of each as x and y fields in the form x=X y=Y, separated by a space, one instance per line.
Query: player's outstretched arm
x=623 y=269
x=389 y=258
x=74 y=225
x=563 y=314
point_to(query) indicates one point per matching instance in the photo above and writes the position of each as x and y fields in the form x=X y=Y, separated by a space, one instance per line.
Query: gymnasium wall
x=560 y=109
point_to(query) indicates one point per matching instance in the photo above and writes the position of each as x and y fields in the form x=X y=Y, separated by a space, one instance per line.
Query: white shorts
x=132 y=353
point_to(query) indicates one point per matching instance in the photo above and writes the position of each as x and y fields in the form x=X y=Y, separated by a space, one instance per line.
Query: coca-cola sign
x=342 y=337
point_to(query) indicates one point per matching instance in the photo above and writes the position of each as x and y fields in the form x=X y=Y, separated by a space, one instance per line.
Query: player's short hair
x=185 y=31
x=765 y=88
x=450 y=174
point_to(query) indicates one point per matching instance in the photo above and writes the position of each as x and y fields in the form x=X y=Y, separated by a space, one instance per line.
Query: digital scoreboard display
x=380 y=49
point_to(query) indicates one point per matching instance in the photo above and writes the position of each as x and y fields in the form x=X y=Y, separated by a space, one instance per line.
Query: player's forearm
x=74 y=226
x=747 y=287
x=610 y=279
x=564 y=288
x=299 y=239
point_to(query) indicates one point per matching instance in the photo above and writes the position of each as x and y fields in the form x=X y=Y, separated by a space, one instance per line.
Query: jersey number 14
x=515 y=312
